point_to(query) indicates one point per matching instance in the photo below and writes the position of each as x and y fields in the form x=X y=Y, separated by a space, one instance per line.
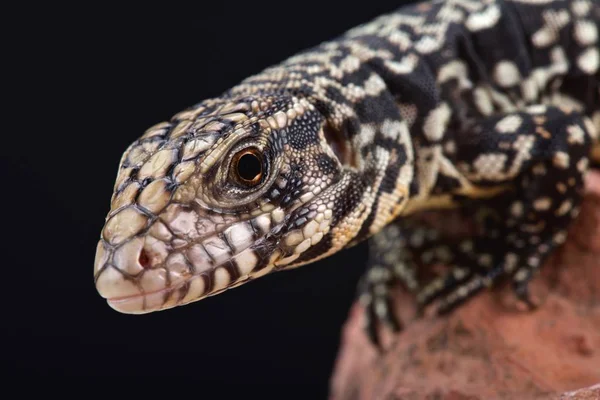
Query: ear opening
x=340 y=144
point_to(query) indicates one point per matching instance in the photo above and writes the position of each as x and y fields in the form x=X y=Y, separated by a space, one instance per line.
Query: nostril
x=129 y=259
x=143 y=259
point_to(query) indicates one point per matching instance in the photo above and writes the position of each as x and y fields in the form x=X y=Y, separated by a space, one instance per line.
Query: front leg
x=391 y=260
x=549 y=150
x=395 y=256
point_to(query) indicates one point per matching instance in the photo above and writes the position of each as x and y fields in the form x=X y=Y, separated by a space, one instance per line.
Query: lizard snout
x=180 y=259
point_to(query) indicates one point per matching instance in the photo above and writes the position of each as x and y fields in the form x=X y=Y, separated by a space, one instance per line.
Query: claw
x=442 y=286
x=522 y=292
x=378 y=309
x=461 y=294
x=384 y=311
x=370 y=327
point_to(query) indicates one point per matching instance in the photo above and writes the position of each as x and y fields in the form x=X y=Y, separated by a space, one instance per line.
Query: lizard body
x=440 y=104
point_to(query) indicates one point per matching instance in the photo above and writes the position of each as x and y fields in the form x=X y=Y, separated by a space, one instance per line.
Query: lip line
x=121 y=299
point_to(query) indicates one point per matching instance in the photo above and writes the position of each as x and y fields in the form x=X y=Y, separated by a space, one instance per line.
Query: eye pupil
x=249 y=167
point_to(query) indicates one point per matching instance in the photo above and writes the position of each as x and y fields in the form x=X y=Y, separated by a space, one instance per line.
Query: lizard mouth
x=192 y=289
x=157 y=271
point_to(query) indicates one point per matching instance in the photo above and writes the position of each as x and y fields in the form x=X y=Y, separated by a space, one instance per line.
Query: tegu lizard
x=491 y=104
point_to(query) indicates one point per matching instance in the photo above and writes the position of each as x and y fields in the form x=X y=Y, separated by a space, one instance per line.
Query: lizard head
x=223 y=193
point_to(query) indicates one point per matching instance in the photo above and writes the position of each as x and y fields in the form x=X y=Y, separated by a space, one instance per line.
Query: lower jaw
x=170 y=297
x=143 y=303
x=173 y=296
x=162 y=299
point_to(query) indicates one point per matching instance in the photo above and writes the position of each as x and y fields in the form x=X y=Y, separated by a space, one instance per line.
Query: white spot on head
x=539 y=169
x=302 y=247
x=564 y=208
x=463 y=291
x=537 y=109
x=543 y=37
x=586 y=33
x=281 y=119
x=510 y=262
x=485 y=260
x=490 y=166
x=521 y=275
x=548 y=34
x=455 y=70
x=199 y=258
x=381 y=309
x=483 y=101
x=405 y=66
x=543 y=248
x=366 y=136
x=401 y=39
x=561 y=160
x=217 y=249
x=589 y=61
x=436 y=122
x=517 y=209
x=178 y=268
x=560 y=62
x=459 y=273
x=582 y=164
x=560 y=237
x=509 y=124
x=483 y=20
x=392 y=129
x=374 y=85
x=221 y=278
x=576 y=134
x=466 y=246
x=182 y=223
x=246 y=261
x=427 y=44
x=581 y=7
x=287 y=260
x=350 y=64
x=593 y=125
x=294 y=237
x=198 y=145
x=533 y=261
x=195 y=290
x=530 y=89
x=506 y=74
x=263 y=222
x=240 y=236
x=542 y=204
x=316 y=238
x=277 y=215
x=310 y=229
x=408 y=112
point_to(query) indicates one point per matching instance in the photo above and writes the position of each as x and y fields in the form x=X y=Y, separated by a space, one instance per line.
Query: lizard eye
x=248 y=167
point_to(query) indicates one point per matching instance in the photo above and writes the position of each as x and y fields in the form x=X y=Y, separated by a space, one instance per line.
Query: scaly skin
x=438 y=105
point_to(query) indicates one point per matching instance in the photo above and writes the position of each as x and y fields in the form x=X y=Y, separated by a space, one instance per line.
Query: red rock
x=590 y=393
x=488 y=349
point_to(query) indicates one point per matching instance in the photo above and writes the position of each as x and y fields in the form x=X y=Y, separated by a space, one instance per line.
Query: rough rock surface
x=491 y=348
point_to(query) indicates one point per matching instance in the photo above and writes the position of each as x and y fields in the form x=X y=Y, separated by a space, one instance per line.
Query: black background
x=89 y=81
